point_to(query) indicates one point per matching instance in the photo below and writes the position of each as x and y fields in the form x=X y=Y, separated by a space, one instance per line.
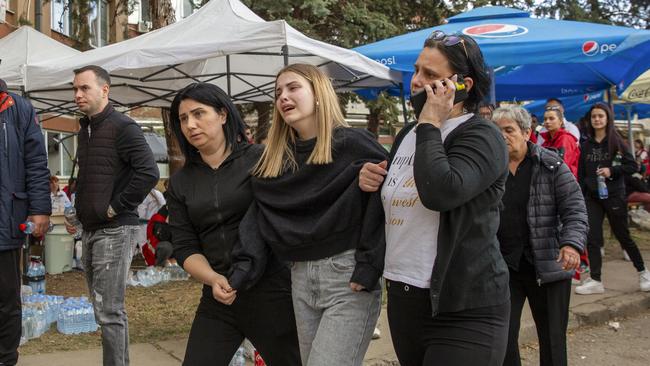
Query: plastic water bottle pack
x=152 y=276
x=76 y=316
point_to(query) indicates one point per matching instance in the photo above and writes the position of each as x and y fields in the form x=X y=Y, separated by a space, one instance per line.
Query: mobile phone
x=418 y=99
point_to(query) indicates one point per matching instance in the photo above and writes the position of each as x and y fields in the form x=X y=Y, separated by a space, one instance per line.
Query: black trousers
x=10 y=311
x=474 y=337
x=549 y=304
x=615 y=207
x=263 y=314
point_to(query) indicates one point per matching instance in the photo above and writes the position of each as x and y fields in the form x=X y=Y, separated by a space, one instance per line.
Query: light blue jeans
x=107 y=257
x=334 y=323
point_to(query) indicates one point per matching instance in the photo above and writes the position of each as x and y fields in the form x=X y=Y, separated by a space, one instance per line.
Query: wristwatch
x=110 y=212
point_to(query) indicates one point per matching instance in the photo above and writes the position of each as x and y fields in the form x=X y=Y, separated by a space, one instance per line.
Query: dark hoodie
x=206 y=205
x=596 y=155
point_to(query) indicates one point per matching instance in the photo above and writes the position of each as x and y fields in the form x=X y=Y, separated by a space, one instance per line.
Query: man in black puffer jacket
x=116 y=171
x=542 y=233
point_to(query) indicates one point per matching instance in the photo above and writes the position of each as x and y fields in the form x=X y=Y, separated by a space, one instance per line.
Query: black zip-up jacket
x=116 y=167
x=317 y=211
x=557 y=215
x=464 y=179
x=207 y=205
x=596 y=155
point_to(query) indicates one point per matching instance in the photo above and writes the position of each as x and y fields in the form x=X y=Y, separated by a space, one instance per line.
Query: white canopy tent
x=26 y=46
x=223 y=43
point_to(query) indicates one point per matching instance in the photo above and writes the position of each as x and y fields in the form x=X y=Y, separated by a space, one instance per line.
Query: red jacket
x=564 y=142
x=149 y=249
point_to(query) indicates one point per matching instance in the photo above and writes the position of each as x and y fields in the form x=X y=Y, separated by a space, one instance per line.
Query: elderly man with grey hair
x=542 y=233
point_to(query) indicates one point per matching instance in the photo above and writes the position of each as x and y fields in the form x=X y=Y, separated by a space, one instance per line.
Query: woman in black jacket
x=542 y=233
x=448 y=297
x=207 y=199
x=605 y=154
x=310 y=211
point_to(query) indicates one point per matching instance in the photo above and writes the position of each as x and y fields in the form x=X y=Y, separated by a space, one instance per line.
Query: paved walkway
x=622 y=298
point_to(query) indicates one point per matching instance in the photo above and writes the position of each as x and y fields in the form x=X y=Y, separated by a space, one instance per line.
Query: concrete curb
x=611 y=308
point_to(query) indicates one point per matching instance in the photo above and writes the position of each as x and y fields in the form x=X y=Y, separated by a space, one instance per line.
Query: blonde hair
x=278 y=154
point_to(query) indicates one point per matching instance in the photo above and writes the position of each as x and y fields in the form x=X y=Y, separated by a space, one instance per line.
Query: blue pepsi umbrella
x=533 y=58
x=578 y=105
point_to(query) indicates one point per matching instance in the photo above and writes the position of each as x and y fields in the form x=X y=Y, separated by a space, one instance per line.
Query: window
x=98 y=18
x=140 y=12
x=184 y=8
x=61 y=148
x=60 y=19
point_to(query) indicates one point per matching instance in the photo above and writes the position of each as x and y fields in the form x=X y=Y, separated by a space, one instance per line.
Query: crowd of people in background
x=294 y=229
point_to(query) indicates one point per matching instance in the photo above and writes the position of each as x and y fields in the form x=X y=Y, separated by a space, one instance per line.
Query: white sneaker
x=376 y=334
x=644 y=280
x=590 y=287
x=626 y=257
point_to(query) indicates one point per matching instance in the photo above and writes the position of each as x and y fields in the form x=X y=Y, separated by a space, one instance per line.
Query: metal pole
x=401 y=96
x=285 y=53
x=493 y=93
x=228 y=74
x=630 y=138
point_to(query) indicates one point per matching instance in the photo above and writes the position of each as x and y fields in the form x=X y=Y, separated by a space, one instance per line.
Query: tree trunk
x=373 y=122
x=176 y=158
x=264 y=111
x=162 y=14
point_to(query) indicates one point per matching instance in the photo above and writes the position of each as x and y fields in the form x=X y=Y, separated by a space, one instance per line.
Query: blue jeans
x=334 y=323
x=107 y=258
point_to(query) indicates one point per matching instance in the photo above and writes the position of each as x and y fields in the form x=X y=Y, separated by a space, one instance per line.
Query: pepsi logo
x=585 y=98
x=495 y=30
x=590 y=48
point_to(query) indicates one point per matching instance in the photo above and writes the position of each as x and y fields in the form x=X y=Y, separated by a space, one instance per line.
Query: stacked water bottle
x=36 y=275
x=39 y=312
x=76 y=316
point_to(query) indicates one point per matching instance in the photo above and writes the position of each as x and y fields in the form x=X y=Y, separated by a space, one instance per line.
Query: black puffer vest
x=116 y=167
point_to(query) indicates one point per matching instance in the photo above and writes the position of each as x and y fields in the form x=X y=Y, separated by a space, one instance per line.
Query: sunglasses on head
x=553 y=108
x=447 y=39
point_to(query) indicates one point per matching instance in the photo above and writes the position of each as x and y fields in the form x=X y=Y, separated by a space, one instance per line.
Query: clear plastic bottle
x=70 y=214
x=36 y=275
x=28 y=227
x=603 y=193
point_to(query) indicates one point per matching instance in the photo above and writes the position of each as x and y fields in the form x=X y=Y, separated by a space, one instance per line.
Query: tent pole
x=630 y=138
x=493 y=81
x=401 y=96
x=228 y=74
x=285 y=53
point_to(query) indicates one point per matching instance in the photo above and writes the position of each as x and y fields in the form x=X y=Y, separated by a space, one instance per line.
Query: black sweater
x=596 y=155
x=206 y=206
x=318 y=210
x=464 y=179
